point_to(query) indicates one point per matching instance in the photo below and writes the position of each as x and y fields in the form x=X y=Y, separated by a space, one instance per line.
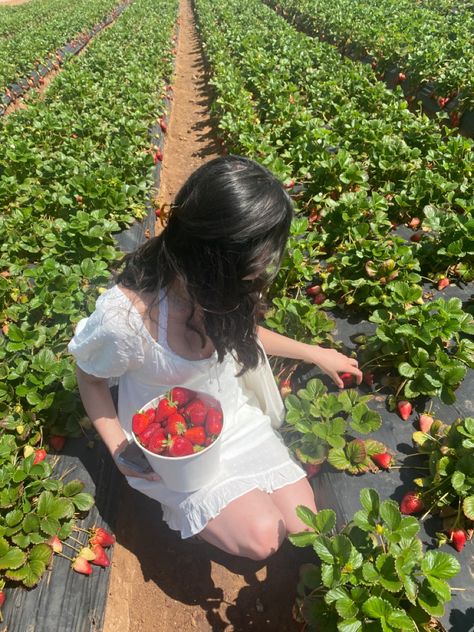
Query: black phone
x=134 y=458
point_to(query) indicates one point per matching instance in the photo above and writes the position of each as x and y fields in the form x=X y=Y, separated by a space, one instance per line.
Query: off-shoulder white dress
x=114 y=343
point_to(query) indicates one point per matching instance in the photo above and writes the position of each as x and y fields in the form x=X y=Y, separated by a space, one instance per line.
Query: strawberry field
x=380 y=264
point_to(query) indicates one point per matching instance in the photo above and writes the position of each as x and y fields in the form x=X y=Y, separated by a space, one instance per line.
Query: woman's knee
x=265 y=536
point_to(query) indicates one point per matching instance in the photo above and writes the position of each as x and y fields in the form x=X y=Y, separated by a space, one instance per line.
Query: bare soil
x=12 y=3
x=159 y=582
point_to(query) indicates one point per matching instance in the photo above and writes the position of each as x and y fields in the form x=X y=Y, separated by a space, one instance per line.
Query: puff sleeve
x=108 y=343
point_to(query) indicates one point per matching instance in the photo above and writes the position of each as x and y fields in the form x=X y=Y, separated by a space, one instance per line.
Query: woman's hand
x=149 y=476
x=333 y=362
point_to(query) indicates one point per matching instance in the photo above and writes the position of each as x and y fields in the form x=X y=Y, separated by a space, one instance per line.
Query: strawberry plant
x=317 y=423
x=426 y=344
x=448 y=488
x=373 y=574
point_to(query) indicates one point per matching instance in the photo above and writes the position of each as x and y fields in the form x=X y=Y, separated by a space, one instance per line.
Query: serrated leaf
x=41 y=552
x=22 y=540
x=338 y=459
x=13 y=558
x=399 y=620
x=50 y=526
x=440 y=565
x=339 y=592
x=468 y=507
x=346 y=608
x=341 y=546
x=33 y=571
x=325 y=521
x=323 y=549
x=440 y=587
x=73 y=487
x=30 y=523
x=389 y=579
x=349 y=625
x=370 y=501
x=377 y=608
x=305 y=538
x=390 y=513
x=430 y=601
x=13 y=517
x=306 y=515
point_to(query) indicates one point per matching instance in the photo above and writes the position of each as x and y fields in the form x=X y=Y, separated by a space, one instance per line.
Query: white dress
x=114 y=342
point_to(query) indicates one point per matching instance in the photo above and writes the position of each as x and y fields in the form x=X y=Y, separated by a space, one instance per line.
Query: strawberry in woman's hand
x=347 y=379
x=181 y=395
x=195 y=412
x=213 y=422
x=180 y=446
x=165 y=408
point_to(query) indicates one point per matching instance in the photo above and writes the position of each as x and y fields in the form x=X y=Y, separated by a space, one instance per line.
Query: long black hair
x=224 y=240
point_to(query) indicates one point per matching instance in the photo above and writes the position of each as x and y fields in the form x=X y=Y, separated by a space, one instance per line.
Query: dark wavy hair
x=224 y=240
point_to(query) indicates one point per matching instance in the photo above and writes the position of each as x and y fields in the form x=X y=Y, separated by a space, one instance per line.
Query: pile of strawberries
x=182 y=423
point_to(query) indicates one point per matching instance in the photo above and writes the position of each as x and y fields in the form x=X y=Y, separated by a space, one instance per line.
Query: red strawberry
x=100 y=558
x=157 y=156
x=81 y=565
x=425 y=422
x=148 y=432
x=414 y=223
x=416 y=237
x=368 y=378
x=319 y=299
x=181 y=395
x=290 y=184
x=180 y=446
x=383 y=460
x=165 y=408
x=213 y=422
x=196 y=434
x=57 y=442
x=285 y=388
x=101 y=536
x=457 y=538
x=411 y=503
x=195 y=412
x=40 y=455
x=404 y=409
x=175 y=425
x=150 y=412
x=312 y=469
x=163 y=126
x=140 y=422
x=157 y=442
x=208 y=441
x=314 y=290
x=442 y=283
x=401 y=76
x=2 y=597
x=348 y=379
x=55 y=543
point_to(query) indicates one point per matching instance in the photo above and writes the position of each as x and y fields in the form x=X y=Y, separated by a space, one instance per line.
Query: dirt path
x=160 y=582
x=12 y=3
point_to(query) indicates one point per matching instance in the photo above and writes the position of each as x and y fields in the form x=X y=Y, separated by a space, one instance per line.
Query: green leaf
x=306 y=515
x=49 y=525
x=440 y=565
x=323 y=549
x=406 y=370
x=73 y=487
x=385 y=564
x=346 y=608
x=305 y=538
x=41 y=552
x=349 y=625
x=377 y=608
x=30 y=523
x=13 y=517
x=13 y=558
x=325 y=521
x=430 y=601
x=338 y=459
x=399 y=620
x=468 y=507
x=440 y=587
x=369 y=499
x=390 y=513
x=342 y=548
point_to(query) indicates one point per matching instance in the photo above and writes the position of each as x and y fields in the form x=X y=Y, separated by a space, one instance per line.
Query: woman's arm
x=97 y=400
x=329 y=361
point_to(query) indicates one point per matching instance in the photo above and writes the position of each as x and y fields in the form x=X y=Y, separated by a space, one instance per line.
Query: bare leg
x=287 y=498
x=250 y=526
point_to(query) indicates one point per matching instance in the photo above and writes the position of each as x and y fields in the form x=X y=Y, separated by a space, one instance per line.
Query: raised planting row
x=405 y=42
x=75 y=167
x=342 y=247
x=31 y=32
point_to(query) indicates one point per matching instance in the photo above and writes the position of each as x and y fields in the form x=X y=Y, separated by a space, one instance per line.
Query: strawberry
x=40 y=455
x=157 y=212
x=383 y=460
x=157 y=156
x=140 y=422
x=290 y=184
x=314 y=290
x=285 y=388
x=148 y=432
x=416 y=237
x=101 y=536
x=411 y=503
x=319 y=299
x=213 y=422
x=455 y=119
x=2 y=597
x=81 y=565
x=404 y=409
x=150 y=412
x=157 y=441
x=414 y=223
x=312 y=469
x=100 y=558
x=175 y=425
x=442 y=283
x=457 y=538
x=182 y=395
x=348 y=379
x=163 y=126
x=165 y=408
x=196 y=434
x=442 y=101
x=425 y=422
x=195 y=412
x=180 y=446
x=401 y=76
x=368 y=378
x=55 y=543
x=57 y=442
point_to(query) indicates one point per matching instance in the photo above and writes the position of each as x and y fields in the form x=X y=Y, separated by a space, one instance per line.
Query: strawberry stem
x=66 y=556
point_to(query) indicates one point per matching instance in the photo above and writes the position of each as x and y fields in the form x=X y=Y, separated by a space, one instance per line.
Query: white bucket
x=185 y=473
